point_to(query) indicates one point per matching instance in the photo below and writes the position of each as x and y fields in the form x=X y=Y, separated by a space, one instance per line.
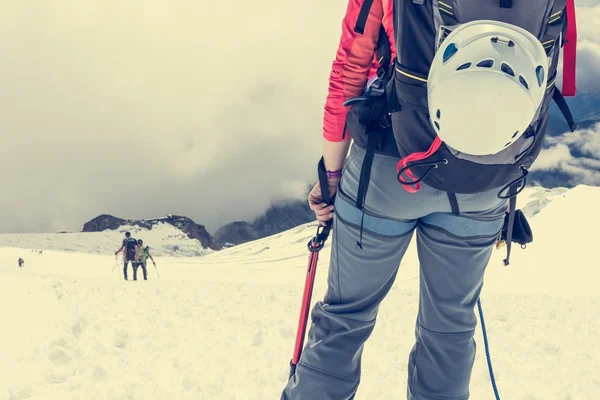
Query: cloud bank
x=206 y=109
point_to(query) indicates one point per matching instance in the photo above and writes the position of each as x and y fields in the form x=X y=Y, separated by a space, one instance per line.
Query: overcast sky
x=208 y=109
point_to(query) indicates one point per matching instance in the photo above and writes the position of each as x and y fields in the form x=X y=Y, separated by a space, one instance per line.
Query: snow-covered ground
x=222 y=326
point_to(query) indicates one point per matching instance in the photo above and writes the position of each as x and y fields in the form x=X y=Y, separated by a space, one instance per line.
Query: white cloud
x=208 y=109
x=552 y=158
x=138 y=108
x=585 y=168
x=586 y=3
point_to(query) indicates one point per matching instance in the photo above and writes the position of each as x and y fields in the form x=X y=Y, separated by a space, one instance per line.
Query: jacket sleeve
x=349 y=73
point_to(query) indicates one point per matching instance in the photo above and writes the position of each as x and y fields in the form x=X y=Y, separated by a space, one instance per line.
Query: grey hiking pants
x=453 y=251
x=138 y=264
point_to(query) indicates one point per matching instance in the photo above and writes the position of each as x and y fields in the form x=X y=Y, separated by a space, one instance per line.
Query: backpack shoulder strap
x=361 y=21
x=384 y=52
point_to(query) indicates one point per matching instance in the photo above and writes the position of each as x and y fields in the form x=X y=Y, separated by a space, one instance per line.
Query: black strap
x=412 y=90
x=365 y=171
x=322 y=232
x=361 y=21
x=405 y=104
x=384 y=52
x=506 y=3
x=363 y=183
x=511 y=221
x=322 y=172
x=376 y=114
x=453 y=203
x=564 y=109
x=516 y=186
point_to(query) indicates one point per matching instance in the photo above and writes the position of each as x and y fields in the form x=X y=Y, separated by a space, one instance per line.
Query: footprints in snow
x=67 y=359
x=59 y=356
x=59 y=291
x=120 y=338
x=258 y=339
x=99 y=373
x=20 y=395
x=78 y=327
x=286 y=333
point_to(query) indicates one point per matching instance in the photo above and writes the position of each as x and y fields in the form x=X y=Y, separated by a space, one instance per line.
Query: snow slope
x=222 y=326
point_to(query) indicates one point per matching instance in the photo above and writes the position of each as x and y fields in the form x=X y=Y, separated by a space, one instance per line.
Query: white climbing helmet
x=486 y=83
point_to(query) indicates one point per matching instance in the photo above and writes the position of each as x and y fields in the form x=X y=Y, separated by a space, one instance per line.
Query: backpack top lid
x=485 y=86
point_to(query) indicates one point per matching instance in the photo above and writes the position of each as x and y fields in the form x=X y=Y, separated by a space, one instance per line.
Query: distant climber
x=129 y=253
x=142 y=255
x=21 y=262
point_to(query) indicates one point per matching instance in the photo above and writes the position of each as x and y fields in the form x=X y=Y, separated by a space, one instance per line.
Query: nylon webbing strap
x=564 y=109
x=511 y=222
x=361 y=22
x=453 y=203
x=384 y=53
x=365 y=171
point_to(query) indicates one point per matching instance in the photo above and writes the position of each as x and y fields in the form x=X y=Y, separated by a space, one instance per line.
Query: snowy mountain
x=222 y=326
x=584 y=106
x=184 y=224
x=558 y=126
x=163 y=238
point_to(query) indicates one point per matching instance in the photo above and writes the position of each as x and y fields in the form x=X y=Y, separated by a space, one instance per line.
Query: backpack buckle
x=385 y=121
x=376 y=88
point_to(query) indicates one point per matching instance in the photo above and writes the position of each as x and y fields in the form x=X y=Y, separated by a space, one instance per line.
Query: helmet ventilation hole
x=486 y=64
x=450 y=51
x=464 y=66
x=437 y=125
x=523 y=82
x=515 y=135
x=438 y=114
x=539 y=72
x=507 y=69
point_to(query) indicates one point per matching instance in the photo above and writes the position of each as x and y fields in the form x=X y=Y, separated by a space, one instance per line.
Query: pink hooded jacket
x=355 y=62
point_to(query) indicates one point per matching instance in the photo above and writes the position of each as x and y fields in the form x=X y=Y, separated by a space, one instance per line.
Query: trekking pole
x=156 y=269
x=115 y=264
x=314 y=247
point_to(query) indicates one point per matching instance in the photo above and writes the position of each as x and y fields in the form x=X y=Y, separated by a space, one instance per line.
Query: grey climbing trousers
x=453 y=251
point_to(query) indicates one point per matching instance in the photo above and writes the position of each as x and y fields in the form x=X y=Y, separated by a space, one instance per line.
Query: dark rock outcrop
x=184 y=224
x=236 y=233
x=103 y=222
x=278 y=218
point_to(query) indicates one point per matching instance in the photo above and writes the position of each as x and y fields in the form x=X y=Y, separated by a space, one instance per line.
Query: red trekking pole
x=314 y=247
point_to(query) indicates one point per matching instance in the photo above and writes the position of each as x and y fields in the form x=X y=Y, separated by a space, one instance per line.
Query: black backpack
x=130 y=244
x=399 y=98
